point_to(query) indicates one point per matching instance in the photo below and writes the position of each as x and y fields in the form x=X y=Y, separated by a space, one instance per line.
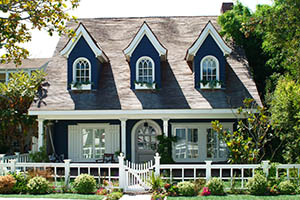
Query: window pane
x=99 y=143
x=82 y=71
x=180 y=145
x=2 y=77
x=209 y=69
x=193 y=151
x=87 y=143
x=145 y=71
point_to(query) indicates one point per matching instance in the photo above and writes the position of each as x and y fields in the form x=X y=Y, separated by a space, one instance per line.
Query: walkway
x=136 y=197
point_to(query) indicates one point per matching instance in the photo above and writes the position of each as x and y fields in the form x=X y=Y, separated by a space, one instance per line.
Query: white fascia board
x=138 y=114
x=209 y=29
x=145 y=30
x=82 y=32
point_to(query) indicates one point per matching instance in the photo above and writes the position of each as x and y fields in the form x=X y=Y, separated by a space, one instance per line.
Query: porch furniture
x=107 y=158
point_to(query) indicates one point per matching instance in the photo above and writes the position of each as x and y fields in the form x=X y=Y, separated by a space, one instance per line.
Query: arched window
x=145 y=70
x=82 y=71
x=209 y=71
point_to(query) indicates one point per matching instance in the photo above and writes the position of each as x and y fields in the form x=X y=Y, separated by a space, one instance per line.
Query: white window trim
x=104 y=126
x=8 y=71
x=202 y=140
x=144 y=87
x=83 y=86
x=218 y=86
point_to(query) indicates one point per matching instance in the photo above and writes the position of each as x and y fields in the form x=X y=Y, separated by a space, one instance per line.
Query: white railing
x=234 y=175
x=19 y=157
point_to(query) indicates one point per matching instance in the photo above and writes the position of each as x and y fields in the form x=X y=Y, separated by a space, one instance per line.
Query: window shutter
x=74 y=143
x=112 y=139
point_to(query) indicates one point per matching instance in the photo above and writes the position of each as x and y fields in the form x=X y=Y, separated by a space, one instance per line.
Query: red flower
x=205 y=192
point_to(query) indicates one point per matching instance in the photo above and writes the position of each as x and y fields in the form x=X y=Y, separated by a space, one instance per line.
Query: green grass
x=54 y=196
x=239 y=197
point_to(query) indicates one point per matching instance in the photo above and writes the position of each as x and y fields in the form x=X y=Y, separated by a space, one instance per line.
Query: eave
x=208 y=29
x=81 y=31
x=145 y=30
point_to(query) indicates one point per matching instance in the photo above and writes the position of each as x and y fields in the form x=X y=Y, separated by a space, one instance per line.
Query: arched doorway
x=144 y=141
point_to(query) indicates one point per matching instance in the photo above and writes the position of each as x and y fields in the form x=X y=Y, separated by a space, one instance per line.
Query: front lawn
x=239 y=197
x=54 y=196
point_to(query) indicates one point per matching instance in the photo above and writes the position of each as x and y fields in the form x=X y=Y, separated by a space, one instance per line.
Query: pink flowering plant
x=205 y=191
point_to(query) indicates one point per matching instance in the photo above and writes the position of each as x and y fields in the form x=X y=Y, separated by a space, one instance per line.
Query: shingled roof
x=177 y=34
x=30 y=63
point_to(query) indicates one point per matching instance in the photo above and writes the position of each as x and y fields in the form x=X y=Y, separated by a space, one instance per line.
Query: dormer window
x=81 y=74
x=209 y=69
x=145 y=73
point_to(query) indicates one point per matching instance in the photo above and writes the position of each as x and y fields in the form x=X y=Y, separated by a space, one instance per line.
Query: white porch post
x=166 y=120
x=123 y=135
x=41 y=133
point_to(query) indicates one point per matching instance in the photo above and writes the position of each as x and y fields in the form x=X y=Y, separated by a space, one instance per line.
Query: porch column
x=123 y=135
x=166 y=120
x=41 y=133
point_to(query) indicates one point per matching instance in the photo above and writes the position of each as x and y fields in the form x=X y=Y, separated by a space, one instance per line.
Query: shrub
x=21 y=183
x=173 y=190
x=257 y=185
x=186 y=188
x=85 y=184
x=158 y=196
x=38 y=185
x=216 y=186
x=199 y=184
x=114 y=196
x=286 y=187
x=47 y=174
x=156 y=182
x=102 y=191
x=6 y=184
x=205 y=192
x=274 y=190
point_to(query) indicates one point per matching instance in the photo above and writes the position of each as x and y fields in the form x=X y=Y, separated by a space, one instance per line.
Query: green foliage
x=40 y=156
x=18 y=17
x=156 y=182
x=287 y=187
x=85 y=184
x=257 y=185
x=164 y=148
x=199 y=184
x=21 y=183
x=247 y=144
x=186 y=188
x=158 y=196
x=6 y=184
x=216 y=186
x=114 y=196
x=285 y=109
x=38 y=185
x=16 y=97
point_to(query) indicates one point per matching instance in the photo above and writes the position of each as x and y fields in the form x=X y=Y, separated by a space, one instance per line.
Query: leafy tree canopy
x=19 y=16
x=16 y=97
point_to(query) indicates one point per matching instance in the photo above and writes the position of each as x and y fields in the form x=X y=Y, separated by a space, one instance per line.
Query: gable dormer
x=207 y=55
x=144 y=55
x=85 y=59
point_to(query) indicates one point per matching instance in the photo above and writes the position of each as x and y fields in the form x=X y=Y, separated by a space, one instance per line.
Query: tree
x=19 y=16
x=248 y=143
x=285 y=109
x=16 y=97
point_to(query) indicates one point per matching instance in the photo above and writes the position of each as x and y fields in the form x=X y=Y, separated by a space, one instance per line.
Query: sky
x=42 y=45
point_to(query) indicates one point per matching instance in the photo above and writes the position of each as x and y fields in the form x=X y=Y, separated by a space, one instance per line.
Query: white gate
x=135 y=177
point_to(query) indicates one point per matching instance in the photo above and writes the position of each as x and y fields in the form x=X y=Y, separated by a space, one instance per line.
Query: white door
x=145 y=140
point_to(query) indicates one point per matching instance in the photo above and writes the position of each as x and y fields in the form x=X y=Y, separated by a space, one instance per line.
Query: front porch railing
x=234 y=175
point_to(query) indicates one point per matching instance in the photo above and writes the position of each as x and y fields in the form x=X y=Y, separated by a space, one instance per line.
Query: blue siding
x=82 y=49
x=145 y=48
x=60 y=133
x=209 y=47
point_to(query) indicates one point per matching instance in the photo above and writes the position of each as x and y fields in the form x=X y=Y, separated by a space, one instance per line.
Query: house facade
x=120 y=82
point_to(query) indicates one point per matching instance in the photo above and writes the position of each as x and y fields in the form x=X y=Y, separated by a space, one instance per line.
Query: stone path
x=136 y=197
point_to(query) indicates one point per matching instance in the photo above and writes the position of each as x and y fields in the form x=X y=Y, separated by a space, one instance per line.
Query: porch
x=85 y=136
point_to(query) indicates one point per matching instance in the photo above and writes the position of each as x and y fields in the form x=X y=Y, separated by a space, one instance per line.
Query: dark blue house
x=121 y=82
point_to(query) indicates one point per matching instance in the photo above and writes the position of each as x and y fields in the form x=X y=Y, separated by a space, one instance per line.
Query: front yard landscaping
x=54 y=196
x=239 y=197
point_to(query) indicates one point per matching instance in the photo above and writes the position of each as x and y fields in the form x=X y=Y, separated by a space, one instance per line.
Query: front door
x=145 y=140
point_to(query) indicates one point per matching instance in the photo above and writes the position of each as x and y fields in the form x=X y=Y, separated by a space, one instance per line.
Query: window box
x=145 y=86
x=75 y=86
x=208 y=86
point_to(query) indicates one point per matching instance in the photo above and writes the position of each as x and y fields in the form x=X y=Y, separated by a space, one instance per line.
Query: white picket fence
x=135 y=177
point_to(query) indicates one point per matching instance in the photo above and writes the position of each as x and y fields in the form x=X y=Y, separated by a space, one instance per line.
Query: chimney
x=226 y=6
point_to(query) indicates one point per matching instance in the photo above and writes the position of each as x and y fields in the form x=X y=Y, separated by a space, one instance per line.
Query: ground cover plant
x=55 y=196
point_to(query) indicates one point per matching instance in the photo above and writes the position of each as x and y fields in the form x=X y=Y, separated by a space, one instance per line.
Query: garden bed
x=239 y=197
x=54 y=196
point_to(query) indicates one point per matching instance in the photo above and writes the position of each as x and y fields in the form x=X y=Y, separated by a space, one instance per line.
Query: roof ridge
x=145 y=17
